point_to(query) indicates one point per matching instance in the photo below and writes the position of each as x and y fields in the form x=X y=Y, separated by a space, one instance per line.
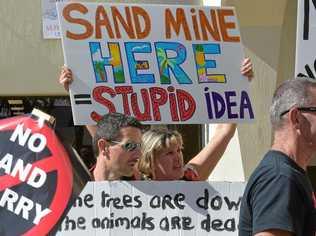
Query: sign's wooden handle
x=44 y=116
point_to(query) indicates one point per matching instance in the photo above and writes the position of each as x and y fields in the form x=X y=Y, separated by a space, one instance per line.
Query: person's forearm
x=206 y=160
x=274 y=232
x=92 y=129
x=226 y=130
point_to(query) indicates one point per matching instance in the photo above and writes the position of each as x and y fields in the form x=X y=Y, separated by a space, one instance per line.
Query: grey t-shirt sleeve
x=277 y=204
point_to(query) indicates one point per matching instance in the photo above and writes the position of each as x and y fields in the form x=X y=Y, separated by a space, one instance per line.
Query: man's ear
x=294 y=117
x=103 y=146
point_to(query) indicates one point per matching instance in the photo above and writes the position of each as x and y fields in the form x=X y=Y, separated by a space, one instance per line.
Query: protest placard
x=35 y=176
x=155 y=208
x=50 y=22
x=159 y=63
x=305 y=39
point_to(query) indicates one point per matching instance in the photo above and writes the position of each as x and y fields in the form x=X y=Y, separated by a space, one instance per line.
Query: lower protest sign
x=155 y=208
x=35 y=177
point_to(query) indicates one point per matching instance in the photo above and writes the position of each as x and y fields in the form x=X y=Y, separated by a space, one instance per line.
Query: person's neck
x=112 y=176
x=102 y=172
x=293 y=150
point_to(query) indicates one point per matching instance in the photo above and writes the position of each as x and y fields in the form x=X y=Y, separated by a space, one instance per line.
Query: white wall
x=230 y=167
x=268 y=31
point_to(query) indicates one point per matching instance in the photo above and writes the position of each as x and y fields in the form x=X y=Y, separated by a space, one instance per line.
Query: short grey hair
x=291 y=93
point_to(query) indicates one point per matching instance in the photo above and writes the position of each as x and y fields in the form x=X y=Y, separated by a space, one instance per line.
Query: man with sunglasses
x=278 y=199
x=116 y=142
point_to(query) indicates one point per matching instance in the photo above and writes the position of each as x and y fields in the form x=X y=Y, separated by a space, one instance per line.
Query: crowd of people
x=278 y=199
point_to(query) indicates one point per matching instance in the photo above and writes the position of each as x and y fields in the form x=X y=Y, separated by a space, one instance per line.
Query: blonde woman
x=162 y=157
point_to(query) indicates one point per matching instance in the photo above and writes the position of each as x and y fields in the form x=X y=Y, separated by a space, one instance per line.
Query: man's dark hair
x=109 y=126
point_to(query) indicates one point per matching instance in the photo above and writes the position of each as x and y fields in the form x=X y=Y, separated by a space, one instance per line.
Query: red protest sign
x=35 y=177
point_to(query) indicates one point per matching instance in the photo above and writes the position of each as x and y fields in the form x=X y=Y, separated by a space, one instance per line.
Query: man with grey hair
x=278 y=199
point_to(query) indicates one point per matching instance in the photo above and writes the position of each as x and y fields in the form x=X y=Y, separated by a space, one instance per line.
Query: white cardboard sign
x=155 y=208
x=159 y=63
x=305 y=39
x=49 y=19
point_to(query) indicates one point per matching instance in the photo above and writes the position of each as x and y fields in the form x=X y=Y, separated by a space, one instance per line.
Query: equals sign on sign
x=82 y=98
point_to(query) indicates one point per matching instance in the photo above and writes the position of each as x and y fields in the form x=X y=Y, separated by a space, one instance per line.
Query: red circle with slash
x=58 y=161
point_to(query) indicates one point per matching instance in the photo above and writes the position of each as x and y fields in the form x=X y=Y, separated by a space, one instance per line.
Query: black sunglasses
x=129 y=146
x=308 y=109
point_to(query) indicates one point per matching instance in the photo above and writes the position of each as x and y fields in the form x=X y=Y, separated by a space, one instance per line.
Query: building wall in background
x=268 y=30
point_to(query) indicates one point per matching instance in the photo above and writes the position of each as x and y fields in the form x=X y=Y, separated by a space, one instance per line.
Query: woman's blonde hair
x=153 y=141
